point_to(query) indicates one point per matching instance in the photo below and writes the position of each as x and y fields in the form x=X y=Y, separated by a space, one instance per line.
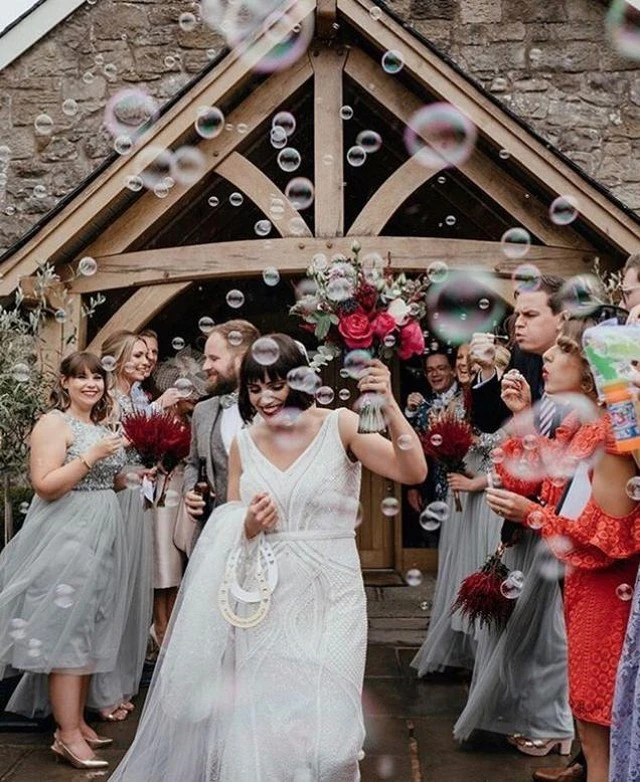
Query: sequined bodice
x=104 y=471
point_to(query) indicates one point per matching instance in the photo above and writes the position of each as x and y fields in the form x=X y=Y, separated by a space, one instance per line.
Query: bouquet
x=360 y=305
x=482 y=596
x=448 y=439
x=162 y=441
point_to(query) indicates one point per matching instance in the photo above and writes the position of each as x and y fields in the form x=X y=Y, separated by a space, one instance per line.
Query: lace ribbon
x=266 y=577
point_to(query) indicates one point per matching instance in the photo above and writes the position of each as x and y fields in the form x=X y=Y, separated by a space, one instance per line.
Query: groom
x=216 y=421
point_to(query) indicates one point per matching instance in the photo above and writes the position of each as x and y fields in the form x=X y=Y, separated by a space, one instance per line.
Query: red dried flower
x=367 y=297
x=447 y=439
x=159 y=438
x=480 y=596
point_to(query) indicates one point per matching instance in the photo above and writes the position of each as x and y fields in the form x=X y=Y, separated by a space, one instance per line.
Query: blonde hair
x=119 y=346
x=248 y=332
x=570 y=341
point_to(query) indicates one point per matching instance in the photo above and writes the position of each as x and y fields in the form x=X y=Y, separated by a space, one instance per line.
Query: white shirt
x=230 y=425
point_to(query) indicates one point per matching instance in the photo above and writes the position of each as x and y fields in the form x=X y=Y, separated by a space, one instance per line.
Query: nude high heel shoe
x=541 y=747
x=62 y=752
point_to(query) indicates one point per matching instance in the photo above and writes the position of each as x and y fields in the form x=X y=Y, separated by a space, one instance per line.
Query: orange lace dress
x=601 y=555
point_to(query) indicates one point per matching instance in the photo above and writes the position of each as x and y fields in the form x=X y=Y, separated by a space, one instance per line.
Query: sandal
x=118 y=714
x=127 y=706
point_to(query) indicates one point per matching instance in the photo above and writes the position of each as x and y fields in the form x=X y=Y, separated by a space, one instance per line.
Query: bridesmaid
x=62 y=609
x=110 y=693
x=600 y=541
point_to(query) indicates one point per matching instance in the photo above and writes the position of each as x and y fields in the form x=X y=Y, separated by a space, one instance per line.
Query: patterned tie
x=228 y=400
x=547 y=414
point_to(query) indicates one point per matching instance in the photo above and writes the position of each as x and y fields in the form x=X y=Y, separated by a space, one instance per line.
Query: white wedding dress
x=279 y=701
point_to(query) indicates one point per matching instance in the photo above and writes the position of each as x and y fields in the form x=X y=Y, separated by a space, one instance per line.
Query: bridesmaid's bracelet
x=87 y=464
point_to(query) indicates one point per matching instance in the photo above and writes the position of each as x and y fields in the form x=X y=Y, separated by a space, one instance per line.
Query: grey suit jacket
x=206 y=443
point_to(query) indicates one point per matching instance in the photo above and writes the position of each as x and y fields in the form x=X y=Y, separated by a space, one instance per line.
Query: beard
x=223 y=384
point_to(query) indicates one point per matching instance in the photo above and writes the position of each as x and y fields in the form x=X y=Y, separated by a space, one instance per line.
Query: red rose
x=411 y=340
x=367 y=297
x=356 y=330
x=383 y=324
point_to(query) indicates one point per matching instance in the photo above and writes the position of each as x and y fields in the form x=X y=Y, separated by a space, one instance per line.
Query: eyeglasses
x=436 y=370
x=610 y=312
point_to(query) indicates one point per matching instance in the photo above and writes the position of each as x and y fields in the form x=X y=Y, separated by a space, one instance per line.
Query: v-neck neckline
x=284 y=471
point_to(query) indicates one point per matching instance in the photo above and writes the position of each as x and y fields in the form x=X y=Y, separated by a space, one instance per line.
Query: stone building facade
x=549 y=62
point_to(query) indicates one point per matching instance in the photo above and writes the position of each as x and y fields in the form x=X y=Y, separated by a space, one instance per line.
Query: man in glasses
x=631 y=287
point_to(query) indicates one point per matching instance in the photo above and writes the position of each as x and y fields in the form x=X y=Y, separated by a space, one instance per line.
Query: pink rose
x=411 y=340
x=356 y=330
x=383 y=324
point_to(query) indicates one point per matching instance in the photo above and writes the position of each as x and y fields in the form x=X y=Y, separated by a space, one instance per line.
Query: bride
x=261 y=677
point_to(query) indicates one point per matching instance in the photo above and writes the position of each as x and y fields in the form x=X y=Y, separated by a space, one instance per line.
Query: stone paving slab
x=409 y=735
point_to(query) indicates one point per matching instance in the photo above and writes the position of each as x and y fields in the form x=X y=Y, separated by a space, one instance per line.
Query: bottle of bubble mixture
x=624 y=417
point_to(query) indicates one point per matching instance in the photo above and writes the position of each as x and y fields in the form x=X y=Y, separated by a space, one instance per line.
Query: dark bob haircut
x=290 y=356
x=75 y=365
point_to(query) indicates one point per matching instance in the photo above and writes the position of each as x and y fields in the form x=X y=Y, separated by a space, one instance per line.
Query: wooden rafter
x=441 y=79
x=214 y=88
x=510 y=194
x=326 y=13
x=231 y=260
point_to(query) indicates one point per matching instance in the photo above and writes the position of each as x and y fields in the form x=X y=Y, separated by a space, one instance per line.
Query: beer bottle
x=204 y=490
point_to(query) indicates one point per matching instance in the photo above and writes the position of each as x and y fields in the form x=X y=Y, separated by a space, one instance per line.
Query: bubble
x=285 y=121
x=172 y=498
x=236 y=199
x=158 y=165
x=60 y=316
x=110 y=70
x=188 y=165
x=526 y=278
x=5 y=153
x=389 y=507
x=436 y=440
x=327 y=159
x=484 y=304
x=40 y=191
x=450 y=220
x=504 y=154
x=497 y=455
x=63 y=596
x=132 y=480
x=297 y=226
x=392 y=61
x=43 y=125
x=346 y=112
x=290 y=41
x=512 y=586
x=24 y=508
x=108 y=363
x=289 y=159
x=235 y=299
x=262 y=227
x=304 y=379
x=18 y=631
x=563 y=210
x=369 y=140
x=405 y=442
x=127 y=111
x=632 y=488
x=623 y=28
x=356 y=363
x=177 y=343
x=88 y=77
x=389 y=341
x=515 y=242
x=375 y=12
x=530 y=442
x=413 y=577
x=324 y=395
x=271 y=276
x=123 y=145
x=70 y=107
x=184 y=387
x=278 y=137
x=624 y=592
x=356 y=156
x=265 y=351
x=213 y=201
x=235 y=338
x=434 y=515
x=187 y=22
x=134 y=183
x=535 y=519
x=344 y=394
x=300 y=192
x=319 y=262
x=437 y=271
x=206 y=324
x=209 y=122
x=169 y=61
x=438 y=134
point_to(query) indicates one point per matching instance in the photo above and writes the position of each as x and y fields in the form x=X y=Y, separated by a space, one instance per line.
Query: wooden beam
x=138 y=310
x=214 y=88
x=328 y=65
x=437 y=76
x=257 y=186
x=390 y=196
x=229 y=260
x=326 y=13
x=510 y=194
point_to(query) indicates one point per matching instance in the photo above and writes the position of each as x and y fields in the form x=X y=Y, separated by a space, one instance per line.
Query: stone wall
x=548 y=61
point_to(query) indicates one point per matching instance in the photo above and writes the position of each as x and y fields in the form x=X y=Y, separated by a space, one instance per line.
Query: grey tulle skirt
x=62 y=608
x=123 y=681
x=520 y=680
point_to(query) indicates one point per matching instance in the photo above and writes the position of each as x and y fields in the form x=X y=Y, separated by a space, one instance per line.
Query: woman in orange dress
x=595 y=530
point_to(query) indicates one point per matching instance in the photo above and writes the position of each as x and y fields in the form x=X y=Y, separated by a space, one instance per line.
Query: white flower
x=399 y=311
